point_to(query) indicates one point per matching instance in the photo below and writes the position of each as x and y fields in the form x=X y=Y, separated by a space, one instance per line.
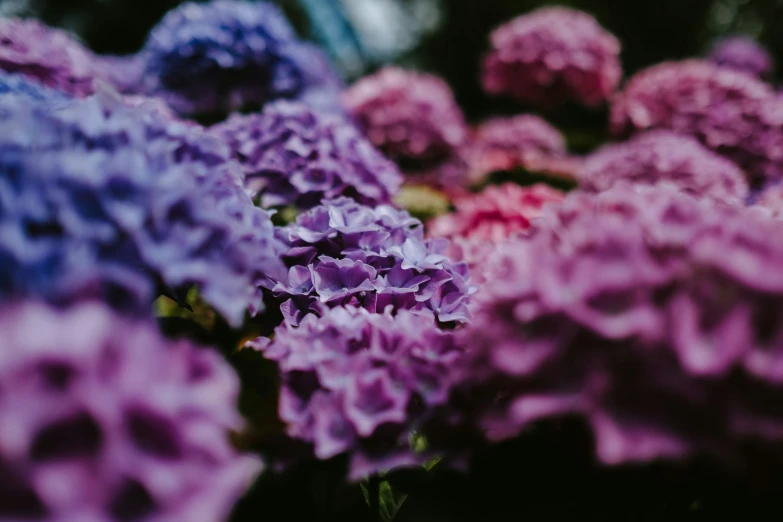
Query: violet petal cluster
x=124 y=73
x=412 y=117
x=20 y=85
x=228 y=55
x=101 y=199
x=732 y=113
x=553 y=55
x=505 y=143
x=742 y=54
x=664 y=157
x=102 y=419
x=484 y=220
x=359 y=383
x=344 y=253
x=654 y=316
x=771 y=200
x=294 y=155
x=47 y=55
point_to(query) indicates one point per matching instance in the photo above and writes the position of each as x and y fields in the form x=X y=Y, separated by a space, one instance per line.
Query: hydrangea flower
x=344 y=253
x=19 y=85
x=553 y=55
x=359 y=383
x=742 y=54
x=102 y=419
x=486 y=219
x=771 y=199
x=665 y=157
x=412 y=117
x=49 y=56
x=505 y=143
x=654 y=316
x=226 y=55
x=294 y=155
x=102 y=199
x=732 y=113
x=124 y=73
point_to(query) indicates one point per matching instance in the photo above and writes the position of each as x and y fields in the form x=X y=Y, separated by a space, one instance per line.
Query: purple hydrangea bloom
x=660 y=157
x=412 y=117
x=732 y=113
x=656 y=317
x=102 y=419
x=124 y=73
x=360 y=383
x=49 y=56
x=344 y=253
x=553 y=55
x=294 y=155
x=19 y=85
x=742 y=54
x=102 y=199
x=228 y=55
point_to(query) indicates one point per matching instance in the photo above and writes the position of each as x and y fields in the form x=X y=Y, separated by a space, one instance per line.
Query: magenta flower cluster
x=412 y=117
x=294 y=155
x=654 y=316
x=104 y=420
x=344 y=253
x=360 y=383
x=730 y=112
x=523 y=141
x=662 y=157
x=49 y=56
x=551 y=56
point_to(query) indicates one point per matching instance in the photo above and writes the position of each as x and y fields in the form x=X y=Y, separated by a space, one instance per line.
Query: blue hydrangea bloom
x=18 y=85
x=227 y=55
x=344 y=253
x=103 y=199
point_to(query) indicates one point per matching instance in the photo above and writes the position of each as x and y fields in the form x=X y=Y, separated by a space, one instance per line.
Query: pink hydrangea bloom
x=664 y=157
x=732 y=113
x=519 y=141
x=654 y=316
x=48 y=55
x=412 y=117
x=552 y=55
x=490 y=217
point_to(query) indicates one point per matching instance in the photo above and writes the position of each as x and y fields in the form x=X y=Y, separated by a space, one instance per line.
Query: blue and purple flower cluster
x=647 y=304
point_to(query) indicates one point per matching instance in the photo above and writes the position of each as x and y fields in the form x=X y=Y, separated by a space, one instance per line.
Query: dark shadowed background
x=444 y=36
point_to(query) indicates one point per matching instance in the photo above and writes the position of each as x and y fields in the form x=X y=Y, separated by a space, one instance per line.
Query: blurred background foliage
x=444 y=36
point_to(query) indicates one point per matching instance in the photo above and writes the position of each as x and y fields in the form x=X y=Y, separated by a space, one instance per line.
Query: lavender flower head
x=294 y=155
x=49 y=56
x=344 y=253
x=732 y=113
x=654 y=316
x=227 y=55
x=412 y=117
x=104 y=200
x=664 y=157
x=19 y=85
x=102 y=419
x=553 y=55
x=742 y=54
x=518 y=141
x=360 y=383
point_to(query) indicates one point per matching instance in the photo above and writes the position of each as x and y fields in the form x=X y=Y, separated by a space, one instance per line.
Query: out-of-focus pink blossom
x=552 y=55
